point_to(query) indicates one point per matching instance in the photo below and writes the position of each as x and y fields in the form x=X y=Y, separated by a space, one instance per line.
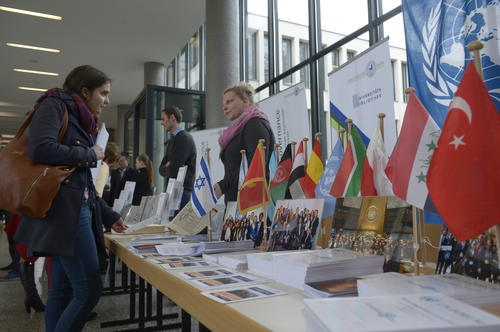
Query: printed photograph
x=238 y=227
x=296 y=224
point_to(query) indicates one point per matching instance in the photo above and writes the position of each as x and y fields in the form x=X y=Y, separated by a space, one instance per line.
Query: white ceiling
x=116 y=36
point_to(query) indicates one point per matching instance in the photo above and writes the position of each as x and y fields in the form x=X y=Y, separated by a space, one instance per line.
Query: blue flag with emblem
x=326 y=181
x=203 y=197
x=437 y=33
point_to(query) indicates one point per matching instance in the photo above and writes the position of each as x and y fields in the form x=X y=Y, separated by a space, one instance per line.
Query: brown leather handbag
x=28 y=188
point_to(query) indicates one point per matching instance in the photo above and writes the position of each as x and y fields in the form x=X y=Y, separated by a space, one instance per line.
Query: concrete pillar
x=122 y=110
x=155 y=73
x=222 y=56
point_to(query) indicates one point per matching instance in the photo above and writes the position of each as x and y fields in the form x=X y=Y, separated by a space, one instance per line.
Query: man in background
x=119 y=176
x=180 y=151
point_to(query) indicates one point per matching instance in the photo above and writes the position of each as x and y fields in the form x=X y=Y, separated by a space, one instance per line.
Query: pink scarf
x=237 y=125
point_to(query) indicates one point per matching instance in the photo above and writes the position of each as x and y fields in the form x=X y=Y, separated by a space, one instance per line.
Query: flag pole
x=243 y=153
x=304 y=141
x=474 y=47
x=264 y=206
x=415 y=225
x=277 y=148
x=209 y=226
x=293 y=150
x=381 y=117
x=341 y=137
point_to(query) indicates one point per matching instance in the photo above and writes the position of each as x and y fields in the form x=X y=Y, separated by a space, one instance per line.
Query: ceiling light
x=7 y=136
x=30 y=89
x=53 y=50
x=27 y=12
x=35 y=72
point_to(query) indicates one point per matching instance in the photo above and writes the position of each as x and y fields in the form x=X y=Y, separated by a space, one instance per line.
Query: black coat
x=181 y=151
x=247 y=139
x=117 y=182
x=56 y=233
x=142 y=187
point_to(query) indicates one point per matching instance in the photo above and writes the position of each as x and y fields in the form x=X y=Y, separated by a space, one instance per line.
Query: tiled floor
x=13 y=316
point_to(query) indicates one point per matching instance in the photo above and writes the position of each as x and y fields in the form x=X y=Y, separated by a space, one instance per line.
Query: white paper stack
x=408 y=313
x=261 y=264
x=297 y=268
x=235 y=260
x=224 y=246
x=471 y=291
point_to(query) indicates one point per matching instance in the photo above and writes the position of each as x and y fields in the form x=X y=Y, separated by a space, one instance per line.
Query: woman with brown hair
x=144 y=178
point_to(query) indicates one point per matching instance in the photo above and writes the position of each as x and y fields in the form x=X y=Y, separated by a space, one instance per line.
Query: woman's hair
x=243 y=90
x=84 y=77
x=111 y=153
x=149 y=167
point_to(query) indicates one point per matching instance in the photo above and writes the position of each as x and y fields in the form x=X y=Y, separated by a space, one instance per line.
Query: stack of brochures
x=224 y=246
x=425 y=312
x=471 y=291
x=342 y=287
x=300 y=267
x=261 y=264
x=235 y=260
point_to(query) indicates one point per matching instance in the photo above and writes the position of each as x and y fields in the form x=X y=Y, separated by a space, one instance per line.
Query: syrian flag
x=374 y=181
x=203 y=197
x=409 y=162
x=347 y=182
x=298 y=172
x=279 y=183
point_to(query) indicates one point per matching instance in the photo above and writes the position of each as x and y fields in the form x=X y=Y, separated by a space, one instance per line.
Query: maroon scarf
x=87 y=119
x=237 y=125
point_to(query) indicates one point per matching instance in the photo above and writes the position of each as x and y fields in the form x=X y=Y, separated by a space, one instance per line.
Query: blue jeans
x=76 y=284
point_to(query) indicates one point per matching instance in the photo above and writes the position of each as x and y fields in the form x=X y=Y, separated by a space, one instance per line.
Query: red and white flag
x=409 y=162
x=295 y=190
x=374 y=181
x=464 y=175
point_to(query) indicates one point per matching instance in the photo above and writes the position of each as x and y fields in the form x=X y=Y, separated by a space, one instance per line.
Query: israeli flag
x=203 y=197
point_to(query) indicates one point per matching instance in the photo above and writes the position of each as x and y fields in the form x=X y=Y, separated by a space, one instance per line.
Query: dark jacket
x=247 y=139
x=117 y=182
x=142 y=187
x=181 y=151
x=56 y=233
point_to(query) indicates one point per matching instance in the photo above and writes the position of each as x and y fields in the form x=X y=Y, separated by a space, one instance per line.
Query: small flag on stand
x=203 y=197
x=314 y=171
x=409 y=162
x=348 y=179
x=294 y=189
x=243 y=169
x=326 y=181
x=279 y=182
x=463 y=178
x=374 y=181
x=254 y=192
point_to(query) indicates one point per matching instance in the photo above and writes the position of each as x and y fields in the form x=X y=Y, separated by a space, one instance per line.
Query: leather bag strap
x=27 y=121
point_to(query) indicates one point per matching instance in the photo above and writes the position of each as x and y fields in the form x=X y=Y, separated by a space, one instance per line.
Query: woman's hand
x=218 y=191
x=119 y=226
x=99 y=152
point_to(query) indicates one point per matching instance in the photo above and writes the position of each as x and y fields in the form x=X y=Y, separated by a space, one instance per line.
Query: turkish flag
x=464 y=174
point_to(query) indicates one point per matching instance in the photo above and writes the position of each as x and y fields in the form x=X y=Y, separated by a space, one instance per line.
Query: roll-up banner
x=361 y=89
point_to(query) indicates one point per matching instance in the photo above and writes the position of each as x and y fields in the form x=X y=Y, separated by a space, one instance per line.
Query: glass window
x=266 y=57
x=336 y=58
x=181 y=69
x=251 y=58
x=171 y=74
x=404 y=80
x=304 y=54
x=194 y=51
x=393 y=69
x=286 y=53
x=350 y=54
